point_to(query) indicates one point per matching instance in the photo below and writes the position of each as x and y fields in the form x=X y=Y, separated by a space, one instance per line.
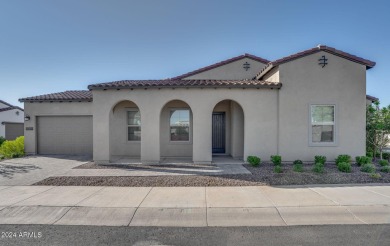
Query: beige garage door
x=13 y=130
x=65 y=135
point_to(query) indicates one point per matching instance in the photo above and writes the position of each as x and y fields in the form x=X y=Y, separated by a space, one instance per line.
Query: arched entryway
x=228 y=129
x=125 y=132
x=176 y=132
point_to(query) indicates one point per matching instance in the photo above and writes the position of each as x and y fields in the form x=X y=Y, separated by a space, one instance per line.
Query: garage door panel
x=71 y=135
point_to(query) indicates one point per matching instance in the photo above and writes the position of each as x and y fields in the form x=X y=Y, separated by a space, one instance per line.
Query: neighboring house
x=370 y=99
x=310 y=103
x=11 y=121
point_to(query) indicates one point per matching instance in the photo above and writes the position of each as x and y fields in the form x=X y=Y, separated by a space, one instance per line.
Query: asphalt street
x=102 y=235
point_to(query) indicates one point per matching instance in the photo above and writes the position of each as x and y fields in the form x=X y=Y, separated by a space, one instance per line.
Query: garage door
x=13 y=130
x=65 y=135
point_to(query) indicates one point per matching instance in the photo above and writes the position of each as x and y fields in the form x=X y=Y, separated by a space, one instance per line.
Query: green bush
x=278 y=169
x=2 y=140
x=298 y=162
x=385 y=169
x=370 y=154
x=320 y=159
x=13 y=149
x=298 y=168
x=383 y=163
x=386 y=156
x=344 y=167
x=375 y=175
x=253 y=160
x=343 y=158
x=361 y=160
x=368 y=168
x=276 y=160
x=318 y=168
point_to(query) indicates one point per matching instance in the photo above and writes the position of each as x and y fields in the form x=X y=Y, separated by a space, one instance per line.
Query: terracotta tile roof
x=168 y=83
x=256 y=58
x=10 y=108
x=5 y=103
x=371 y=98
x=369 y=64
x=66 y=96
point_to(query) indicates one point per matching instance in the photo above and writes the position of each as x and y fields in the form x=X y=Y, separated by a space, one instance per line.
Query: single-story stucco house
x=11 y=121
x=306 y=104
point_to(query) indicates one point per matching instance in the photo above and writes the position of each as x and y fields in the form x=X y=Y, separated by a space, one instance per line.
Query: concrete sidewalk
x=195 y=206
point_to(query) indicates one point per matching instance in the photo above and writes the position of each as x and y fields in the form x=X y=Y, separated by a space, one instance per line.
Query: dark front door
x=219 y=132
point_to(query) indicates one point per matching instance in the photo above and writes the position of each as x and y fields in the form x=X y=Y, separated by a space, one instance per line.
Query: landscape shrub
x=2 y=140
x=253 y=160
x=383 y=163
x=368 y=168
x=276 y=160
x=385 y=169
x=13 y=149
x=343 y=158
x=375 y=175
x=369 y=154
x=298 y=168
x=278 y=169
x=361 y=160
x=320 y=159
x=297 y=162
x=318 y=168
x=344 y=167
x=386 y=156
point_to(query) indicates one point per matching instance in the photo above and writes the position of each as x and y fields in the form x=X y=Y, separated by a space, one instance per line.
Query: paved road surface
x=294 y=235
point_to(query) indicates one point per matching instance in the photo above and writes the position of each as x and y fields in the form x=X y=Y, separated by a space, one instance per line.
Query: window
x=133 y=125
x=180 y=125
x=322 y=123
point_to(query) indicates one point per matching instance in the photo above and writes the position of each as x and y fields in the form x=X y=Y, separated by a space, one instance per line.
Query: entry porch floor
x=222 y=165
x=217 y=159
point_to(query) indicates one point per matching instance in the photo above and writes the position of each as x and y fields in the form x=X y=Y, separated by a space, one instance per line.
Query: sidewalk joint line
x=89 y=195
x=69 y=208
x=136 y=209
x=281 y=216
x=364 y=188
x=31 y=196
x=346 y=207
x=325 y=196
x=205 y=200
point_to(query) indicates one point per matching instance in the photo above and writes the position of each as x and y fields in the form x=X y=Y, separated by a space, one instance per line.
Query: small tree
x=377 y=128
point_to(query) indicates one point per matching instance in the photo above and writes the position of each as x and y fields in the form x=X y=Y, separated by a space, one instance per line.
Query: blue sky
x=51 y=46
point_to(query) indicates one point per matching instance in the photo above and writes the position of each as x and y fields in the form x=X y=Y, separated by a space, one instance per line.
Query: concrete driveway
x=31 y=169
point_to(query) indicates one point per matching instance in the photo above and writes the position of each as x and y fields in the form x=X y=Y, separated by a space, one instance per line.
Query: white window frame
x=127 y=125
x=334 y=124
x=189 y=141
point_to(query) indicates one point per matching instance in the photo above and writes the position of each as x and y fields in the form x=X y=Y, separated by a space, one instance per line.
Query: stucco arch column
x=202 y=127
x=150 y=133
x=101 y=130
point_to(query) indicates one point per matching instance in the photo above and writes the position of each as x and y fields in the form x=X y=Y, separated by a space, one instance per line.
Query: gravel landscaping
x=262 y=175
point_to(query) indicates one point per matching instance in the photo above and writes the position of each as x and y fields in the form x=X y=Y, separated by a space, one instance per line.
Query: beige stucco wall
x=231 y=71
x=272 y=76
x=342 y=83
x=259 y=108
x=49 y=109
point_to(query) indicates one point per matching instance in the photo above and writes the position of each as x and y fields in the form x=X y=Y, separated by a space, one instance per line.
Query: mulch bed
x=262 y=175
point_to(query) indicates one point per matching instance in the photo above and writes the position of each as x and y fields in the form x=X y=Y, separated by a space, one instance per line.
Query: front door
x=219 y=132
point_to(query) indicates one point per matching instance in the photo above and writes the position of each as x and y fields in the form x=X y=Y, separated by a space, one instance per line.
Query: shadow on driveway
x=8 y=171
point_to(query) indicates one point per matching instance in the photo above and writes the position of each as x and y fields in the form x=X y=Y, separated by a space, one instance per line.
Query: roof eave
x=274 y=86
x=54 y=100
